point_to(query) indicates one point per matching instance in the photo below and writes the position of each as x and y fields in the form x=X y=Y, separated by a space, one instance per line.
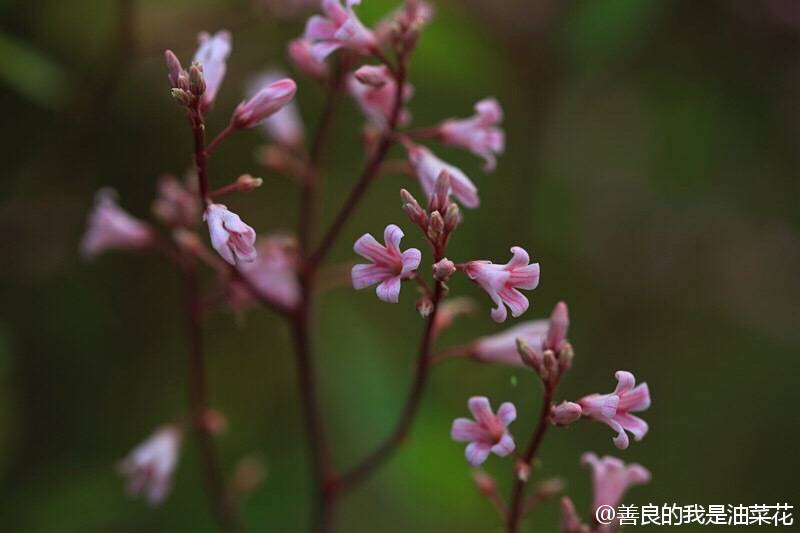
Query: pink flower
x=339 y=28
x=285 y=126
x=502 y=281
x=230 y=237
x=274 y=272
x=302 y=58
x=373 y=87
x=265 y=102
x=176 y=205
x=611 y=478
x=488 y=433
x=389 y=265
x=428 y=167
x=570 y=521
x=111 y=228
x=479 y=133
x=212 y=54
x=539 y=335
x=614 y=409
x=150 y=465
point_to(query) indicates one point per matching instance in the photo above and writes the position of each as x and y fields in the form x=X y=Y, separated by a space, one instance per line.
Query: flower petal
x=505 y=446
x=477 y=452
x=507 y=413
x=389 y=290
x=465 y=430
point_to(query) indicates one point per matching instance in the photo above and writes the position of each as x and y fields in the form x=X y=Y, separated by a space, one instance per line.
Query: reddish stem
x=230 y=128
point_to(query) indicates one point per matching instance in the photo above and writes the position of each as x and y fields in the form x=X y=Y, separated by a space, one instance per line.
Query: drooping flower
x=539 y=335
x=428 y=167
x=176 y=205
x=149 y=467
x=502 y=281
x=300 y=54
x=274 y=272
x=487 y=433
x=611 y=478
x=340 y=27
x=374 y=89
x=264 y=103
x=615 y=409
x=230 y=237
x=285 y=126
x=111 y=228
x=389 y=265
x=213 y=54
x=479 y=134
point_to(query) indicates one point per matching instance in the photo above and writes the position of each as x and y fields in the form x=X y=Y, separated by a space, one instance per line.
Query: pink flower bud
x=111 y=228
x=565 y=413
x=149 y=467
x=372 y=75
x=300 y=54
x=377 y=98
x=559 y=325
x=443 y=270
x=265 y=102
x=230 y=237
x=178 y=78
x=285 y=127
x=213 y=54
x=484 y=482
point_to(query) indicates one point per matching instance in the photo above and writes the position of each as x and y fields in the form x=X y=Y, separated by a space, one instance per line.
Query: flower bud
x=440 y=198
x=565 y=413
x=549 y=488
x=443 y=270
x=372 y=75
x=565 y=356
x=435 y=227
x=413 y=209
x=452 y=217
x=530 y=357
x=175 y=73
x=484 y=482
x=264 y=103
x=424 y=306
x=183 y=97
x=213 y=422
x=197 y=84
x=522 y=470
x=550 y=365
x=247 y=183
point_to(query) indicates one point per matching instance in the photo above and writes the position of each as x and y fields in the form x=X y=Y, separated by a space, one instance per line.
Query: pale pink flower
x=614 y=409
x=264 y=103
x=539 y=335
x=570 y=521
x=213 y=54
x=340 y=27
x=479 y=134
x=111 y=228
x=611 y=478
x=286 y=125
x=300 y=54
x=149 y=467
x=502 y=281
x=176 y=205
x=488 y=433
x=373 y=87
x=274 y=272
x=389 y=265
x=428 y=167
x=230 y=237
x=565 y=413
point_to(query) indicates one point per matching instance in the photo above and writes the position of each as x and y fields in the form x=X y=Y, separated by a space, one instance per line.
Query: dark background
x=651 y=168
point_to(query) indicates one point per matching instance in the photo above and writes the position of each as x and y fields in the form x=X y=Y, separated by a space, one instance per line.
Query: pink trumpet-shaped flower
x=389 y=265
x=285 y=126
x=539 y=335
x=488 y=433
x=428 y=167
x=374 y=88
x=339 y=28
x=614 y=409
x=111 y=228
x=502 y=281
x=149 y=467
x=264 y=103
x=300 y=54
x=230 y=237
x=212 y=54
x=274 y=272
x=479 y=134
x=611 y=478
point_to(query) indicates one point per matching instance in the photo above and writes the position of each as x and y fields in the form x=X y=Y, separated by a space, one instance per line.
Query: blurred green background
x=651 y=167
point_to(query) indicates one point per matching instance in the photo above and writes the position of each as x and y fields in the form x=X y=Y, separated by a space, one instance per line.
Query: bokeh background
x=651 y=167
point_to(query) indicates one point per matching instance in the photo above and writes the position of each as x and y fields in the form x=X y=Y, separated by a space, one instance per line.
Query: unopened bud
x=484 y=482
x=412 y=208
x=565 y=356
x=549 y=488
x=213 y=422
x=452 y=217
x=424 y=306
x=565 y=413
x=372 y=75
x=435 y=227
x=530 y=357
x=182 y=96
x=440 y=198
x=247 y=183
x=550 y=364
x=175 y=72
x=197 y=84
x=522 y=470
x=443 y=270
